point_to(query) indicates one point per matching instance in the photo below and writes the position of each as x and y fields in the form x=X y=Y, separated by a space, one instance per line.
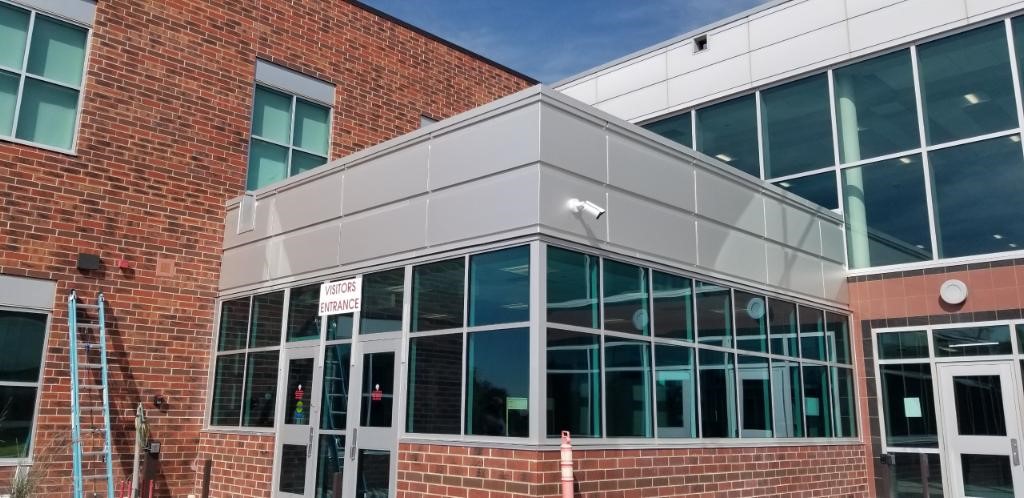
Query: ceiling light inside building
x=906 y=160
x=1015 y=138
x=725 y=157
x=973 y=98
x=997 y=236
x=785 y=184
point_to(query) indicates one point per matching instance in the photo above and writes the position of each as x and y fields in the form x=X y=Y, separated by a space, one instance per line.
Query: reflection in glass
x=572 y=284
x=437 y=290
x=271 y=115
x=21 y=346
x=303 y=316
x=717 y=394
x=628 y=374
x=751 y=322
x=378 y=390
x=292 y=478
x=499 y=286
x=837 y=333
x=677 y=128
x=339 y=327
x=373 y=477
x=268 y=163
x=909 y=405
x=16 y=431
x=875 y=107
x=382 y=302
x=261 y=389
x=574 y=383
x=728 y=132
x=265 y=324
x=972 y=341
x=974 y=189
x=435 y=385
x=226 y=406
x=915 y=475
x=987 y=476
x=330 y=466
x=966 y=85
x=902 y=345
x=755 y=396
x=334 y=405
x=979 y=405
x=886 y=213
x=819 y=189
x=312 y=126
x=846 y=407
x=817 y=402
x=782 y=327
x=625 y=298
x=48 y=113
x=498 y=383
x=13 y=35
x=673 y=306
x=676 y=391
x=787 y=399
x=812 y=333
x=714 y=315
x=234 y=324
x=796 y=125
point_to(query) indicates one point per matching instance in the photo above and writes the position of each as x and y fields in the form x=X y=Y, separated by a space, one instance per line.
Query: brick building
x=124 y=128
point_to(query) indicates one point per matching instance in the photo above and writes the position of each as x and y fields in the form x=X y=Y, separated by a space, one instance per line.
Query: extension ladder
x=90 y=398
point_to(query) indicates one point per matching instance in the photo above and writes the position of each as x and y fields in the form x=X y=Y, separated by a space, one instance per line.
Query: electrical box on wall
x=88 y=262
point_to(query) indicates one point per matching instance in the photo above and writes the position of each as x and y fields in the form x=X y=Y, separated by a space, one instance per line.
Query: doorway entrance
x=981 y=428
x=373 y=442
x=295 y=437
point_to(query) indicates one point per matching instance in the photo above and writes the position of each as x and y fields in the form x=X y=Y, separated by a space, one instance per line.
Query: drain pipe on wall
x=567 y=479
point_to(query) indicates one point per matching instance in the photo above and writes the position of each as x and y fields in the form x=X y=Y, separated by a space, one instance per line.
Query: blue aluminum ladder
x=87 y=351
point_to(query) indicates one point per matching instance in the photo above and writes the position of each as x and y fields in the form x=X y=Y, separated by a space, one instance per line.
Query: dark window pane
x=330 y=466
x=437 y=291
x=909 y=405
x=303 y=317
x=875 y=107
x=298 y=391
x=572 y=288
x=499 y=285
x=755 y=396
x=574 y=383
x=915 y=475
x=678 y=128
x=226 y=406
x=21 y=346
x=966 y=86
x=837 y=330
x=846 y=402
x=234 y=324
x=975 y=191
x=979 y=405
x=625 y=298
x=819 y=189
x=339 y=327
x=817 y=402
x=717 y=394
x=987 y=475
x=292 y=478
x=787 y=399
x=796 y=125
x=498 y=383
x=886 y=213
x=972 y=341
x=334 y=405
x=902 y=345
x=751 y=322
x=676 y=391
x=673 y=306
x=267 y=312
x=18 y=404
x=812 y=333
x=627 y=365
x=261 y=389
x=382 y=302
x=434 y=402
x=728 y=132
x=714 y=315
x=782 y=327
x=378 y=390
x=374 y=475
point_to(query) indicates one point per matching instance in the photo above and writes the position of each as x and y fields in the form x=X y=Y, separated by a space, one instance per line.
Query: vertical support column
x=856 y=212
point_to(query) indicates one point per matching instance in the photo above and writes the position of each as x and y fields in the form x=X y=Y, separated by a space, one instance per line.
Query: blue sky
x=553 y=39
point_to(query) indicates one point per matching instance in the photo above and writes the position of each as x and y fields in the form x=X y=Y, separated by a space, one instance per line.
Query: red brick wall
x=162 y=145
x=239 y=465
x=438 y=471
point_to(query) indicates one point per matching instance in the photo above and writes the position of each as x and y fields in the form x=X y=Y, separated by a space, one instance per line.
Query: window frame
x=38 y=385
x=22 y=74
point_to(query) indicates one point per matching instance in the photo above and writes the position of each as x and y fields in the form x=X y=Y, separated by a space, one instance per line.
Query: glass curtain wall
x=919 y=148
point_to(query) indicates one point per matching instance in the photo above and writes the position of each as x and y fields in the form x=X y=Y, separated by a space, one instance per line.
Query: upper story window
x=42 y=68
x=291 y=125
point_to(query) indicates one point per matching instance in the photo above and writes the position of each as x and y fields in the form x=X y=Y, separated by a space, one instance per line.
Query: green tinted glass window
x=290 y=135
x=499 y=285
x=312 y=125
x=260 y=389
x=265 y=324
x=817 y=402
x=572 y=283
x=8 y=99
x=627 y=365
x=676 y=388
x=846 y=402
x=909 y=406
x=819 y=189
x=13 y=36
x=678 y=128
x=234 y=324
x=272 y=116
x=972 y=341
x=57 y=52
x=751 y=322
x=303 y=313
x=782 y=327
x=16 y=431
x=21 y=346
x=717 y=394
x=435 y=385
x=787 y=397
x=625 y=298
x=673 y=306
x=334 y=402
x=755 y=396
x=902 y=345
x=268 y=163
x=837 y=338
x=226 y=403
x=812 y=333
x=573 y=383
x=714 y=315
x=796 y=125
x=498 y=383
x=47 y=114
x=728 y=132
x=383 y=294
x=437 y=291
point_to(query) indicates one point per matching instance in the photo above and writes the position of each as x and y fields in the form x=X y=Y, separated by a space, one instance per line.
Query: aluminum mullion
x=693 y=128
x=24 y=69
x=538 y=333
x=653 y=357
x=760 y=135
x=922 y=135
x=802 y=174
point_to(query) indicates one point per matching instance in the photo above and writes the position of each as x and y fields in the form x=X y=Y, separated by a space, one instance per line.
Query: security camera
x=592 y=209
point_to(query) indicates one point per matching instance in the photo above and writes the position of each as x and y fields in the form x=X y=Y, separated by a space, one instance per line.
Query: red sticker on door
x=377 y=394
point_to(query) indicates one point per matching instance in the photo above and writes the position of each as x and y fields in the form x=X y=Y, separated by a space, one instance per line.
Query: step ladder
x=90 y=399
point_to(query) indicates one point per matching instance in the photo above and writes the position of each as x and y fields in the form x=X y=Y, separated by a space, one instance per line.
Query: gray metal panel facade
x=23 y=292
x=508 y=170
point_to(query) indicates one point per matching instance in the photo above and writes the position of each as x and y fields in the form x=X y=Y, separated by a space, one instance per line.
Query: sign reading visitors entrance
x=341 y=297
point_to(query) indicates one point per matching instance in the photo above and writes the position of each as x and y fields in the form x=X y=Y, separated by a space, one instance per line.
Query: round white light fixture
x=953 y=291
x=755 y=308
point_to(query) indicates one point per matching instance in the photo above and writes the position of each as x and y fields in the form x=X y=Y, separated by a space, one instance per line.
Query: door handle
x=1015 y=452
x=309 y=446
x=352 y=448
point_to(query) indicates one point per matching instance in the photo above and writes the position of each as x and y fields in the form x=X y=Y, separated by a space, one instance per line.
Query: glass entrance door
x=297 y=414
x=981 y=428
x=373 y=441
